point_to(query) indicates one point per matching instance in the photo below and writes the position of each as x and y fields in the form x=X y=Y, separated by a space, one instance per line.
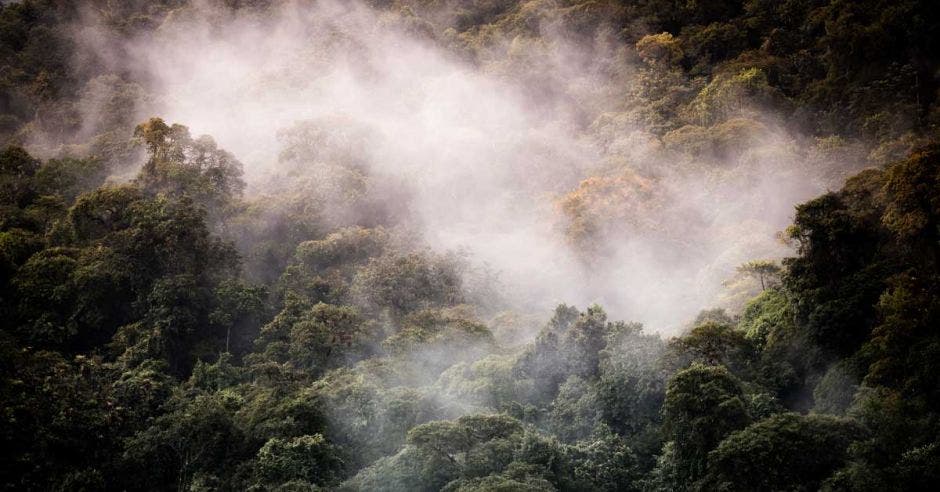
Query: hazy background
x=489 y=159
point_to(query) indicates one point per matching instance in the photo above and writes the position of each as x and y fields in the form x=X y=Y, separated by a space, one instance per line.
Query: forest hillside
x=469 y=245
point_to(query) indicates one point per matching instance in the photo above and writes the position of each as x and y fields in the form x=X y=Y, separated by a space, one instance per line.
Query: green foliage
x=571 y=344
x=323 y=270
x=114 y=262
x=488 y=383
x=328 y=336
x=703 y=405
x=194 y=436
x=787 y=360
x=482 y=452
x=364 y=417
x=436 y=339
x=767 y=272
x=785 y=452
x=17 y=169
x=912 y=210
x=632 y=381
x=138 y=351
x=838 y=277
x=659 y=48
x=766 y=318
x=50 y=407
x=835 y=390
x=405 y=283
x=720 y=142
x=308 y=459
x=714 y=344
x=180 y=165
x=345 y=247
x=574 y=413
x=604 y=462
x=70 y=178
x=728 y=94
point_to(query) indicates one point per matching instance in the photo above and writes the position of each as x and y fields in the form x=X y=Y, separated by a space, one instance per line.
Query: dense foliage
x=164 y=329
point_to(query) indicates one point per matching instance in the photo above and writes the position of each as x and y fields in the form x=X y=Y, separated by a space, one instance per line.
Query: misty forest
x=469 y=245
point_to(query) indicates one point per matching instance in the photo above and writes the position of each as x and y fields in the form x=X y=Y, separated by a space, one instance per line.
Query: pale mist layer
x=484 y=160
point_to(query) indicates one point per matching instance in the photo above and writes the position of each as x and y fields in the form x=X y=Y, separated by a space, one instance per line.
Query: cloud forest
x=469 y=245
